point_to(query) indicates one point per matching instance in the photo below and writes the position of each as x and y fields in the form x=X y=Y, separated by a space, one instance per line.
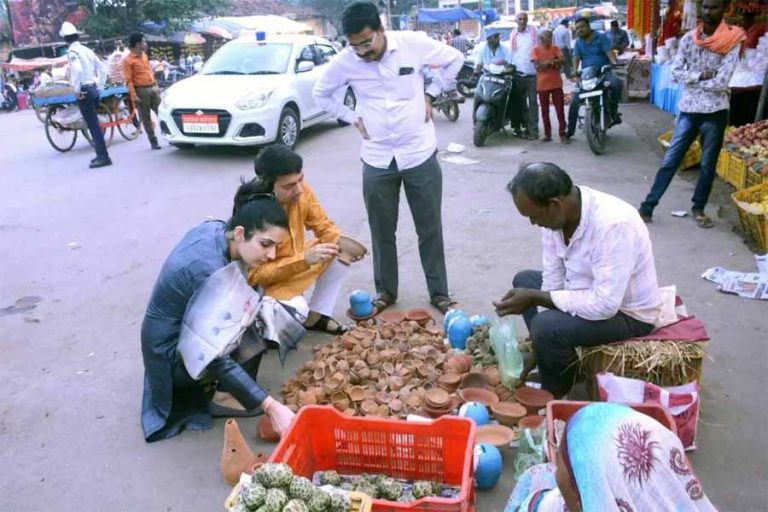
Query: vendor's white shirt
x=607 y=267
x=85 y=67
x=521 y=50
x=390 y=96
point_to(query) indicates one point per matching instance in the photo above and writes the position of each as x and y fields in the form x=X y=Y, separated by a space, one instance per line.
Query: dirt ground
x=81 y=249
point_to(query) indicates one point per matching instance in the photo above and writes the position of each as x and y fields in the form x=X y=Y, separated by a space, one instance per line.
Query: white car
x=250 y=92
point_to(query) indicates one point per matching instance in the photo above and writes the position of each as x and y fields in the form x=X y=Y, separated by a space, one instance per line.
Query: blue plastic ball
x=360 y=303
x=475 y=411
x=487 y=466
x=478 y=320
x=449 y=316
x=458 y=332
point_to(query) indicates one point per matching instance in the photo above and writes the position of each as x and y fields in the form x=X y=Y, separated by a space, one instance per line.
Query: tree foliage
x=118 y=17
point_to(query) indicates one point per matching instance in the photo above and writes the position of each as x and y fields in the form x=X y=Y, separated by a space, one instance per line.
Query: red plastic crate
x=564 y=409
x=321 y=439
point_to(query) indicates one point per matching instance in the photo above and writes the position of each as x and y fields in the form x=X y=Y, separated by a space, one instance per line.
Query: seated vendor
x=612 y=457
x=599 y=281
x=299 y=265
x=172 y=399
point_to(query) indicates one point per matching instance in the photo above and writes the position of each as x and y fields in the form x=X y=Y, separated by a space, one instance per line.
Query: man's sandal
x=702 y=219
x=443 y=303
x=382 y=302
x=327 y=325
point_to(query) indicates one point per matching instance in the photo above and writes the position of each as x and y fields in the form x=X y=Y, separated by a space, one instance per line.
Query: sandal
x=382 y=302
x=443 y=303
x=323 y=324
x=702 y=219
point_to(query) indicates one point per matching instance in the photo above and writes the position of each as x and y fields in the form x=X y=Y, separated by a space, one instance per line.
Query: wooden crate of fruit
x=752 y=206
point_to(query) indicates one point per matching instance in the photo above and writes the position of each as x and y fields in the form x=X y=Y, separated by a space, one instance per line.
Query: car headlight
x=253 y=100
x=590 y=84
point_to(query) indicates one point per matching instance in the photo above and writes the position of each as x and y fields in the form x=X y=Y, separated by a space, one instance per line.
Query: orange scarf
x=722 y=41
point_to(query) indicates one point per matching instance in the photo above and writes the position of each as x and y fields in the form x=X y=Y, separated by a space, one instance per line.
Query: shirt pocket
x=405 y=87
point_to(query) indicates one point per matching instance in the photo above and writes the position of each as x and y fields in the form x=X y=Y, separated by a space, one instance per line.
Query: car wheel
x=182 y=145
x=350 y=101
x=288 y=128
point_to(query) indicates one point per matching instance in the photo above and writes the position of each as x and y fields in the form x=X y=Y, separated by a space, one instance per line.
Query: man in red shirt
x=548 y=59
x=141 y=84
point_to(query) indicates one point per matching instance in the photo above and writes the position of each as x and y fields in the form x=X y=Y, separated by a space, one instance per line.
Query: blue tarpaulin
x=445 y=15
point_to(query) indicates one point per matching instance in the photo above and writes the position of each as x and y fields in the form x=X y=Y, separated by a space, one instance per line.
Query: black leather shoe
x=155 y=145
x=100 y=163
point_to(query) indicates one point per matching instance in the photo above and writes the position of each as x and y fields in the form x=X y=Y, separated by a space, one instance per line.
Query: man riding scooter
x=593 y=49
x=487 y=53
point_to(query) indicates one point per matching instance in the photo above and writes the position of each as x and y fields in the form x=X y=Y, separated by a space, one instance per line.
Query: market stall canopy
x=217 y=31
x=187 y=38
x=18 y=64
x=445 y=15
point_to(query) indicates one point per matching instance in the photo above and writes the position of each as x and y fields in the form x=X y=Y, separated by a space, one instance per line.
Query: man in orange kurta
x=298 y=264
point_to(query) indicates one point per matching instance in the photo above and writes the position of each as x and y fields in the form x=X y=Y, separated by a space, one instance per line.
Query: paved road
x=84 y=247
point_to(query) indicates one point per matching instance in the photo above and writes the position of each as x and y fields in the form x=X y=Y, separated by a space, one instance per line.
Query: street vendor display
x=744 y=163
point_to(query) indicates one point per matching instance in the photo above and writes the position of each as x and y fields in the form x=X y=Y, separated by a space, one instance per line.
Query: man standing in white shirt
x=399 y=146
x=521 y=41
x=599 y=280
x=87 y=75
x=563 y=40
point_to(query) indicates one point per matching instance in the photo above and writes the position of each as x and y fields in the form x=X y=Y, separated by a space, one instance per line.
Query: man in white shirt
x=521 y=42
x=394 y=117
x=87 y=75
x=599 y=280
x=562 y=39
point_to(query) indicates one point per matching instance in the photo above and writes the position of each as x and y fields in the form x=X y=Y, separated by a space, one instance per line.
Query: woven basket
x=626 y=359
x=754 y=224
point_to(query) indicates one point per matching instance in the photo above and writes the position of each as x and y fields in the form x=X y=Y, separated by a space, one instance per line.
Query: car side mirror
x=304 y=66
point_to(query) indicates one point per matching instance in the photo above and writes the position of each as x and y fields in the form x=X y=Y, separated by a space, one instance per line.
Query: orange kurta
x=289 y=275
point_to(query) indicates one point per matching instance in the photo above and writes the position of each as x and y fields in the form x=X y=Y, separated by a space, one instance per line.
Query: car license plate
x=206 y=123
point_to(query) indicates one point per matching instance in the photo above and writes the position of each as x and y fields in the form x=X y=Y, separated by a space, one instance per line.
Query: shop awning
x=445 y=15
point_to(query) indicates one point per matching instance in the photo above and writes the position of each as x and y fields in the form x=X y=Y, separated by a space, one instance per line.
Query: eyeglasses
x=360 y=47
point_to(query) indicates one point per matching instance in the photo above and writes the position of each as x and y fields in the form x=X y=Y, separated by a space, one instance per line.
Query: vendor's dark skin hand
x=518 y=300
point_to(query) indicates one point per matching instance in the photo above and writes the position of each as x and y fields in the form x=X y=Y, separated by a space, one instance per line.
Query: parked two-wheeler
x=466 y=80
x=595 y=93
x=448 y=104
x=492 y=99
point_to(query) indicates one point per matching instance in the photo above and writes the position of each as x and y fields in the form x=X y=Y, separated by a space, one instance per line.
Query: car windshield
x=503 y=31
x=249 y=59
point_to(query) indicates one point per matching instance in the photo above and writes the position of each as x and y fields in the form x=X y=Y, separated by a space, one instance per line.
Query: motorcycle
x=446 y=102
x=595 y=93
x=492 y=98
x=466 y=80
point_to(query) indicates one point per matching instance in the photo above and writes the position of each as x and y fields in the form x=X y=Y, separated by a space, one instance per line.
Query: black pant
x=555 y=335
x=88 y=110
x=424 y=191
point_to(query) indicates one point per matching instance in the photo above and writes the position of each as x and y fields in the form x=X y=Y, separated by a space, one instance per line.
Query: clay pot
x=533 y=399
x=266 y=431
x=383 y=397
x=492 y=375
x=421 y=316
x=369 y=407
x=396 y=383
x=357 y=394
x=340 y=401
x=449 y=382
x=236 y=456
x=497 y=435
x=531 y=422
x=396 y=406
x=508 y=413
x=484 y=396
x=474 y=380
x=437 y=398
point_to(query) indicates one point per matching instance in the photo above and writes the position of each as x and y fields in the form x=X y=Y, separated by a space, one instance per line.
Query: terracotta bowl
x=359 y=318
x=349 y=250
x=421 y=316
x=497 y=435
x=484 y=396
x=508 y=414
x=266 y=432
x=474 y=380
x=531 y=421
x=449 y=381
x=533 y=399
x=391 y=316
x=437 y=398
x=436 y=412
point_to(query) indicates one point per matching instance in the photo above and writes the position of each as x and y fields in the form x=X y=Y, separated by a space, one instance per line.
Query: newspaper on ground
x=751 y=285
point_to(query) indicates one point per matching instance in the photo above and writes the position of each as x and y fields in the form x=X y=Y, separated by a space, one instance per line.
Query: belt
x=144 y=86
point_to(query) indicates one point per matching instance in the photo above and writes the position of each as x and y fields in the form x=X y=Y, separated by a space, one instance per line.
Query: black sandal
x=382 y=302
x=322 y=325
x=702 y=219
x=443 y=303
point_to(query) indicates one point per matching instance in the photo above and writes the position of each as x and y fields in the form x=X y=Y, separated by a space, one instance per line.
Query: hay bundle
x=665 y=363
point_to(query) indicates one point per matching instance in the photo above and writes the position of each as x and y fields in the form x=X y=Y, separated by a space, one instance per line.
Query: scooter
x=492 y=97
x=595 y=93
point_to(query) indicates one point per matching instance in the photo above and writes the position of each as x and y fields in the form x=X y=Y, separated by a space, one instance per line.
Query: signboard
x=37 y=22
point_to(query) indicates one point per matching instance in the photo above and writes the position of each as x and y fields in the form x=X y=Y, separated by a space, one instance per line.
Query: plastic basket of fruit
x=257 y=491
x=562 y=410
x=692 y=156
x=411 y=455
x=752 y=207
x=757 y=173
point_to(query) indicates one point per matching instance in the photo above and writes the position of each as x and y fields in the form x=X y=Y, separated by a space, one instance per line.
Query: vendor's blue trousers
x=711 y=127
x=555 y=336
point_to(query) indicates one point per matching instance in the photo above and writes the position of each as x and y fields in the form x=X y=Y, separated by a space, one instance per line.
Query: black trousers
x=555 y=336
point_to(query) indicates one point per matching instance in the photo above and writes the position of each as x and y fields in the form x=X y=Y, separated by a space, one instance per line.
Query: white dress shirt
x=85 y=67
x=562 y=37
x=608 y=265
x=390 y=96
x=520 y=45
